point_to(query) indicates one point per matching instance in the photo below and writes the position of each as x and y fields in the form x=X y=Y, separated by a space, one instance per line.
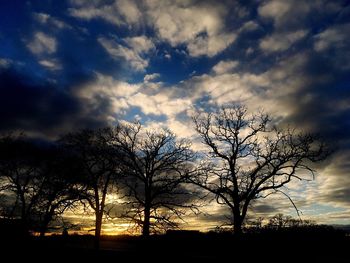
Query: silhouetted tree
x=249 y=159
x=280 y=221
x=61 y=189
x=154 y=165
x=37 y=191
x=99 y=167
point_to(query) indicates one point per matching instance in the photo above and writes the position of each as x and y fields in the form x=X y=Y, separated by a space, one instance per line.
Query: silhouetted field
x=287 y=245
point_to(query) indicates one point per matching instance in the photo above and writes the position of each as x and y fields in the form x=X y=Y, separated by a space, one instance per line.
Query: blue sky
x=75 y=64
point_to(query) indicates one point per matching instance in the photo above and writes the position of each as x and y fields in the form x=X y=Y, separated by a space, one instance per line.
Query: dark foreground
x=285 y=246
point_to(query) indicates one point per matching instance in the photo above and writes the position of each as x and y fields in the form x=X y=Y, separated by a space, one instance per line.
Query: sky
x=71 y=64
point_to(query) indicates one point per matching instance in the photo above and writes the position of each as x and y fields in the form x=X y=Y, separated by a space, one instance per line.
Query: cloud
x=162 y=103
x=42 y=44
x=134 y=53
x=120 y=12
x=334 y=183
x=226 y=88
x=46 y=19
x=225 y=66
x=286 y=14
x=35 y=108
x=276 y=10
x=151 y=77
x=51 y=64
x=5 y=63
x=199 y=27
x=281 y=41
x=264 y=209
x=249 y=26
x=105 y=90
x=167 y=55
x=333 y=37
x=139 y=44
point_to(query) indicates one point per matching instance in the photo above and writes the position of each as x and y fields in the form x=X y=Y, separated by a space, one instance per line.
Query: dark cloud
x=263 y=209
x=222 y=217
x=322 y=106
x=41 y=107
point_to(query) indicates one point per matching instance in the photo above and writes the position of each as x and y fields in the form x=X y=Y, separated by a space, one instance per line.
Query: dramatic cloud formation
x=75 y=64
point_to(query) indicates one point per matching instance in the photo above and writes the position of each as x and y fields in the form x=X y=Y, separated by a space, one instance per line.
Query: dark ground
x=268 y=246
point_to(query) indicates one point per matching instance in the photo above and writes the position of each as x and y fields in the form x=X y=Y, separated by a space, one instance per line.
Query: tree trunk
x=237 y=221
x=98 y=226
x=43 y=229
x=24 y=217
x=237 y=228
x=146 y=221
x=45 y=224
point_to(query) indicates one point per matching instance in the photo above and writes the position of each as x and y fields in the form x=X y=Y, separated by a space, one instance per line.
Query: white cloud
x=182 y=129
x=122 y=95
x=140 y=44
x=275 y=9
x=200 y=28
x=167 y=55
x=45 y=19
x=109 y=92
x=151 y=77
x=224 y=67
x=270 y=90
x=108 y=85
x=129 y=10
x=162 y=103
x=133 y=53
x=42 y=44
x=227 y=88
x=210 y=46
x=120 y=12
x=249 y=26
x=281 y=41
x=51 y=64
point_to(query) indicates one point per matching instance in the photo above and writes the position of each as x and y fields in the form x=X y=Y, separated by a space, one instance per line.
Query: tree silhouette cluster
x=156 y=176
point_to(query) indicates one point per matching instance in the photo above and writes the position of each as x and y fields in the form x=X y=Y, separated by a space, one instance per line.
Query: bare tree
x=249 y=159
x=280 y=221
x=154 y=165
x=36 y=190
x=20 y=176
x=99 y=160
x=60 y=189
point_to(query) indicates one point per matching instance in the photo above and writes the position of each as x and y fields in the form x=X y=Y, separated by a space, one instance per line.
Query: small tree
x=280 y=221
x=249 y=159
x=99 y=166
x=154 y=165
